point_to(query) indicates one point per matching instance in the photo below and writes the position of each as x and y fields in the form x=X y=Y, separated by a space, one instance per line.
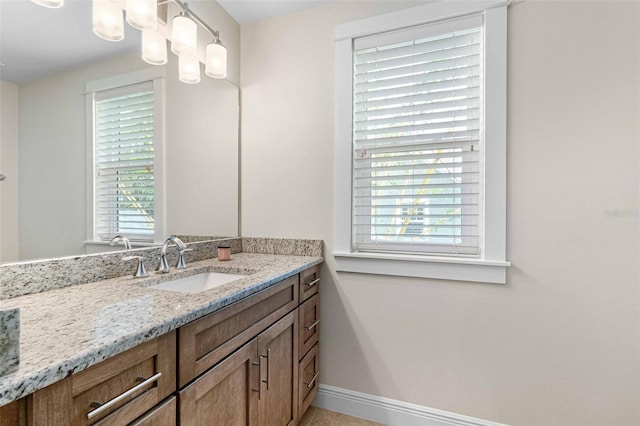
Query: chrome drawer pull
x=103 y=407
x=314 y=282
x=312 y=325
x=313 y=379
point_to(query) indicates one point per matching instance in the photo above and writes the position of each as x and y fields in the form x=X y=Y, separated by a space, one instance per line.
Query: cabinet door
x=225 y=395
x=163 y=414
x=278 y=353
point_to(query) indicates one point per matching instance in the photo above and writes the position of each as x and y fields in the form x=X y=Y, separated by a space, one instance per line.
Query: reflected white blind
x=124 y=162
x=417 y=139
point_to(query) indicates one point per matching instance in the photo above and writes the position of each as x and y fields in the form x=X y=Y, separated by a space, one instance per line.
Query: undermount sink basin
x=199 y=282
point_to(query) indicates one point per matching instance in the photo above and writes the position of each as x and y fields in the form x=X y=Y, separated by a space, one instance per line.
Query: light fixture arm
x=196 y=18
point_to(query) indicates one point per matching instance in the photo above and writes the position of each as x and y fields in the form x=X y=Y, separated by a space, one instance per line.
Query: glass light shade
x=184 y=36
x=188 y=69
x=142 y=14
x=216 y=62
x=107 y=20
x=154 y=48
x=53 y=4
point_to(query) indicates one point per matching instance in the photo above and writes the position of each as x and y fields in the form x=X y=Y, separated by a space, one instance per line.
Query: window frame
x=491 y=265
x=156 y=76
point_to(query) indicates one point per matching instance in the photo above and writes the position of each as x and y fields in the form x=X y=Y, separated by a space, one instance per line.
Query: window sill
x=403 y=265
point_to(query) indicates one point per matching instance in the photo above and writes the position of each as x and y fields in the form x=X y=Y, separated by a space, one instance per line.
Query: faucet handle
x=141 y=271
x=181 y=263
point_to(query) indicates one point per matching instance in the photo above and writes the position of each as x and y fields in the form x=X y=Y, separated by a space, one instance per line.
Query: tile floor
x=319 y=417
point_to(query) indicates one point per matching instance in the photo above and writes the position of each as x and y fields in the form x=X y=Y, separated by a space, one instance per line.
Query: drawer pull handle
x=313 y=379
x=312 y=325
x=312 y=283
x=103 y=407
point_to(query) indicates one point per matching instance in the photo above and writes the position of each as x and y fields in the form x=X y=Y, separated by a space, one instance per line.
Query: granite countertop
x=67 y=330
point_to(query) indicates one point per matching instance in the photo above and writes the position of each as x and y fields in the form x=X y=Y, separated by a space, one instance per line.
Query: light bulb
x=53 y=4
x=154 y=48
x=142 y=14
x=184 y=36
x=216 y=62
x=188 y=69
x=107 y=20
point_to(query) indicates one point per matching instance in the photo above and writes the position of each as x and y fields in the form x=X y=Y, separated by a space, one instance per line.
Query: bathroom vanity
x=121 y=352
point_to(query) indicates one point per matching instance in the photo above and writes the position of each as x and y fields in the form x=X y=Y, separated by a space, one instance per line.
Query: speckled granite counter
x=67 y=330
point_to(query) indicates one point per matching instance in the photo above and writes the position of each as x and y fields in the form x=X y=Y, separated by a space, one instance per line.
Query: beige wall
x=559 y=344
x=9 y=168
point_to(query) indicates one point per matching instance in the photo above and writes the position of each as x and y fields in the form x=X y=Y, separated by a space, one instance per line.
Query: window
x=421 y=140
x=126 y=132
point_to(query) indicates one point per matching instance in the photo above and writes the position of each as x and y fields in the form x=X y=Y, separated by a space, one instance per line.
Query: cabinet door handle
x=312 y=325
x=259 y=365
x=268 y=357
x=313 y=379
x=103 y=407
x=312 y=283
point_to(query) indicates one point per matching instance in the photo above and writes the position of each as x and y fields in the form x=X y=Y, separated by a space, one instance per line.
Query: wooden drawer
x=309 y=282
x=206 y=341
x=164 y=414
x=114 y=392
x=309 y=320
x=308 y=372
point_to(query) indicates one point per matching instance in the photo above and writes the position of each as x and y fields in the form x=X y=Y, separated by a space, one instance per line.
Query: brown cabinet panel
x=114 y=392
x=309 y=282
x=309 y=324
x=225 y=395
x=206 y=341
x=14 y=414
x=277 y=348
x=165 y=414
x=309 y=371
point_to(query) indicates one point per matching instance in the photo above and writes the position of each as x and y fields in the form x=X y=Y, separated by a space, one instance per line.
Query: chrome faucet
x=120 y=239
x=163 y=266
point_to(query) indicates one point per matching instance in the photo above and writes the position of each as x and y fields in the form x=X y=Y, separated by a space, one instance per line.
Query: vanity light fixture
x=216 y=62
x=188 y=69
x=108 y=24
x=154 y=48
x=142 y=14
x=52 y=4
x=107 y=20
x=184 y=35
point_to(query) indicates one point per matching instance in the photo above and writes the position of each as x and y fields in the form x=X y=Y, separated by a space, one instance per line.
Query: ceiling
x=245 y=11
x=36 y=41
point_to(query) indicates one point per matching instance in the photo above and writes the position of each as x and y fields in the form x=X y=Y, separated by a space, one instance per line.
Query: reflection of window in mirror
x=125 y=128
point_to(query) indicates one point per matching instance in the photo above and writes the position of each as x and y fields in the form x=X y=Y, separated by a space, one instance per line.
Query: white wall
x=559 y=344
x=9 y=168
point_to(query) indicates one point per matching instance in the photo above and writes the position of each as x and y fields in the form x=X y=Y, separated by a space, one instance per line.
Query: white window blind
x=124 y=162
x=417 y=139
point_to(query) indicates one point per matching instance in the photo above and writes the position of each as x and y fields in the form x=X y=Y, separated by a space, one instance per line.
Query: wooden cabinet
x=205 y=342
x=253 y=363
x=309 y=282
x=278 y=358
x=309 y=370
x=114 y=392
x=308 y=339
x=227 y=394
x=255 y=386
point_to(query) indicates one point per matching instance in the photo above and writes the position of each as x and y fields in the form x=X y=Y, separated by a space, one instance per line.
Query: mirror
x=45 y=149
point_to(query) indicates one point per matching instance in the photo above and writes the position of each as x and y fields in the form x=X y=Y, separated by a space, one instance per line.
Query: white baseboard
x=389 y=411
